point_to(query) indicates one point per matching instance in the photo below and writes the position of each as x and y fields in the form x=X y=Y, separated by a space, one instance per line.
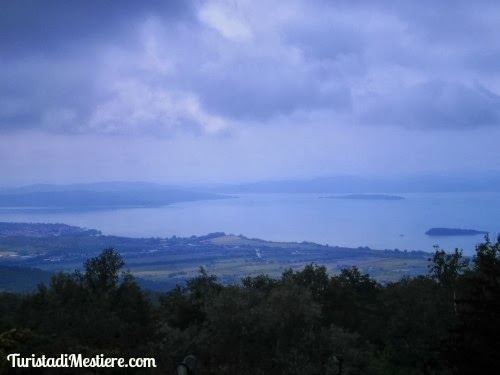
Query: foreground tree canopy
x=306 y=322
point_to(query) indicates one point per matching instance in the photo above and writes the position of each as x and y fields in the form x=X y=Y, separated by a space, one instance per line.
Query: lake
x=378 y=224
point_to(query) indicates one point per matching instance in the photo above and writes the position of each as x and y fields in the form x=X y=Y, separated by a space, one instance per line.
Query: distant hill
x=370 y=197
x=99 y=196
x=371 y=185
x=15 y=279
x=22 y=279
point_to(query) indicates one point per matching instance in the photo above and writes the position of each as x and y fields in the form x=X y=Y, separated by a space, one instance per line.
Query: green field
x=167 y=261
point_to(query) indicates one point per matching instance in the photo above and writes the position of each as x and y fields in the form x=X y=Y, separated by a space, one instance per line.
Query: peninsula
x=453 y=232
x=378 y=197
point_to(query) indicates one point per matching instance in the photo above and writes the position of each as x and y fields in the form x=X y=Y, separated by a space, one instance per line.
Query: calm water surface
x=379 y=224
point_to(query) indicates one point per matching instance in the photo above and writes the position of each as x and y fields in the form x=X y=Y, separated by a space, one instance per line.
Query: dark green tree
x=313 y=277
x=91 y=312
x=351 y=301
x=102 y=272
x=417 y=316
x=446 y=268
x=475 y=340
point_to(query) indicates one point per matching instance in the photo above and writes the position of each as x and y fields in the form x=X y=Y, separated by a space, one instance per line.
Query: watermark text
x=77 y=361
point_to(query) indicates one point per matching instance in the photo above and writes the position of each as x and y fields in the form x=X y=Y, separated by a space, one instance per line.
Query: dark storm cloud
x=274 y=89
x=158 y=67
x=33 y=26
x=52 y=56
x=35 y=88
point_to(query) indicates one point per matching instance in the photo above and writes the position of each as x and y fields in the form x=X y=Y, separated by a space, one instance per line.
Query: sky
x=246 y=90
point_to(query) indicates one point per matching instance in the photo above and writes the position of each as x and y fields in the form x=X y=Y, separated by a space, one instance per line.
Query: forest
x=303 y=322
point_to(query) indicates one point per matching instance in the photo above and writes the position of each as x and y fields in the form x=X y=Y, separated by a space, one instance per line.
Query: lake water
x=379 y=224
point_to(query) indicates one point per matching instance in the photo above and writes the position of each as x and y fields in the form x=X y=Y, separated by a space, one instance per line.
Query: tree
x=475 y=338
x=102 y=272
x=416 y=318
x=446 y=270
x=262 y=283
x=313 y=277
x=351 y=300
x=90 y=312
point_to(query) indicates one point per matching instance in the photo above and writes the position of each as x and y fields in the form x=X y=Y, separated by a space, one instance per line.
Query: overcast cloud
x=184 y=91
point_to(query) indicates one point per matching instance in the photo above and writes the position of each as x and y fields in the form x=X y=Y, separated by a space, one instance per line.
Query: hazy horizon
x=408 y=183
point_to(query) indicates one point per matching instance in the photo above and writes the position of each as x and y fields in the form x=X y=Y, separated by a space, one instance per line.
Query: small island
x=453 y=232
x=378 y=197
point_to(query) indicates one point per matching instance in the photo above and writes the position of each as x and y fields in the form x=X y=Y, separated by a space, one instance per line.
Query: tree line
x=305 y=322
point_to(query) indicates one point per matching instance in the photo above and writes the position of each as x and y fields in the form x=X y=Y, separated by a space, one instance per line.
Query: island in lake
x=383 y=197
x=453 y=232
